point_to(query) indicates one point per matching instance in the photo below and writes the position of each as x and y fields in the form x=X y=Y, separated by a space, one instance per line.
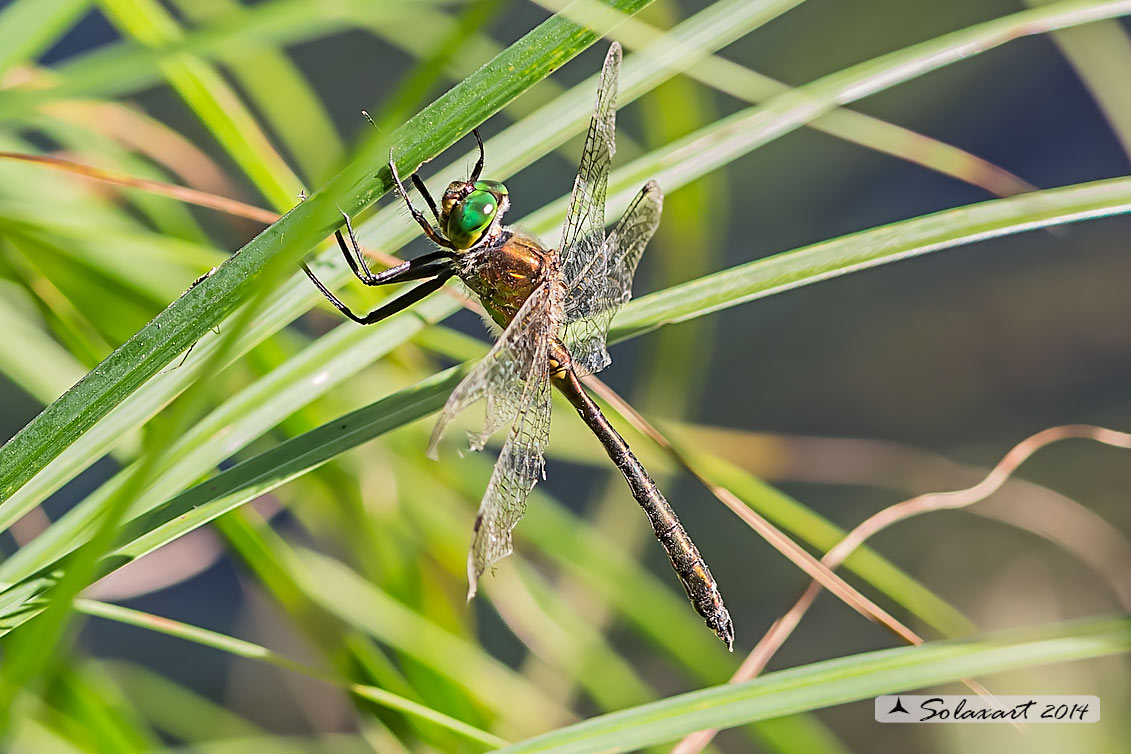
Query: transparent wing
x=584 y=231
x=508 y=375
x=594 y=299
x=514 y=379
x=518 y=469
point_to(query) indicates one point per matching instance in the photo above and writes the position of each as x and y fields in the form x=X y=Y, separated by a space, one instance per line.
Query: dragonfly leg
x=425 y=266
x=478 y=165
x=433 y=235
x=423 y=189
x=400 y=303
x=356 y=260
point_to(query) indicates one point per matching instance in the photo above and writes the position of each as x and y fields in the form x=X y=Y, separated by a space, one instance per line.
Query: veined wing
x=594 y=299
x=520 y=466
x=514 y=379
x=510 y=372
x=583 y=235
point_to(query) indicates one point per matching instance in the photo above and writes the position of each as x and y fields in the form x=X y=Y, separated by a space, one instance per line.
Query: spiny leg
x=356 y=260
x=357 y=263
x=400 y=303
x=435 y=264
x=425 y=266
x=419 y=183
x=421 y=220
x=478 y=165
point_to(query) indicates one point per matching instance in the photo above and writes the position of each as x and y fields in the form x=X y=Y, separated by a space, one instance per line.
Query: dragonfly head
x=469 y=209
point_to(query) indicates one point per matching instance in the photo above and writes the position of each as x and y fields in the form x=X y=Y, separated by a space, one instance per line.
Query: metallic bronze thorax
x=504 y=271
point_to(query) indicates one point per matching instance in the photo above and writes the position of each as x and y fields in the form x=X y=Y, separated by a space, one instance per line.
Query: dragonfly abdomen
x=688 y=564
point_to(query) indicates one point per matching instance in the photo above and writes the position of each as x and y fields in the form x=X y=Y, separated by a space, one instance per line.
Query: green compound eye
x=492 y=186
x=472 y=216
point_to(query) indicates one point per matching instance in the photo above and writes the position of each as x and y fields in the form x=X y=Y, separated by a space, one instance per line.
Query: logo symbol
x=898 y=707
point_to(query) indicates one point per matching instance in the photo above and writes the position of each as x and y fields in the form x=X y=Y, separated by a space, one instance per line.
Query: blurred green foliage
x=302 y=565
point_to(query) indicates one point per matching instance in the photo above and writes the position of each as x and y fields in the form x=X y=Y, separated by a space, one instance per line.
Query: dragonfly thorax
x=504 y=271
x=471 y=210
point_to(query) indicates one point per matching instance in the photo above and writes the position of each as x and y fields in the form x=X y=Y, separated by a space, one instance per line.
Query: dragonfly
x=552 y=308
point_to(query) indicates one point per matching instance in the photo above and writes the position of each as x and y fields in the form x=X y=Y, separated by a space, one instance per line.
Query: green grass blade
x=210 y=97
x=204 y=306
x=243 y=417
x=124 y=68
x=746 y=282
x=832 y=682
x=890 y=243
x=300 y=119
x=253 y=651
x=30 y=357
x=879 y=135
x=28 y=27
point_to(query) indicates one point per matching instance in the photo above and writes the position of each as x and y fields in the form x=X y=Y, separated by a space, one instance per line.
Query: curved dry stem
x=180 y=193
x=774 y=536
x=148 y=137
x=195 y=197
x=1019 y=503
x=756 y=661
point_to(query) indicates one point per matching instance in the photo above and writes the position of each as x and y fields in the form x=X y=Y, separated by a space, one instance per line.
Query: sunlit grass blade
x=173 y=709
x=890 y=243
x=724 y=141
x=832 y=682
x=212 y=100
x=719 y=73
x=241 y=418
x=172 y=219
x=121 y=69
x=207 y=304
x=1099 y=52
x=282 y=463
x=99 y=715
x=253 y=651
x=300 y=119
x=728 y=288
x=27 y=27
x=139 y=261
x=364 y=606
x=30 y=357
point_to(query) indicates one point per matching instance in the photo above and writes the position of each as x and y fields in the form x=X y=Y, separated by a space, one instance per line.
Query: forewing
x=592 y=302
x=518 y=469
x=584 y=233
x=509 y=374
